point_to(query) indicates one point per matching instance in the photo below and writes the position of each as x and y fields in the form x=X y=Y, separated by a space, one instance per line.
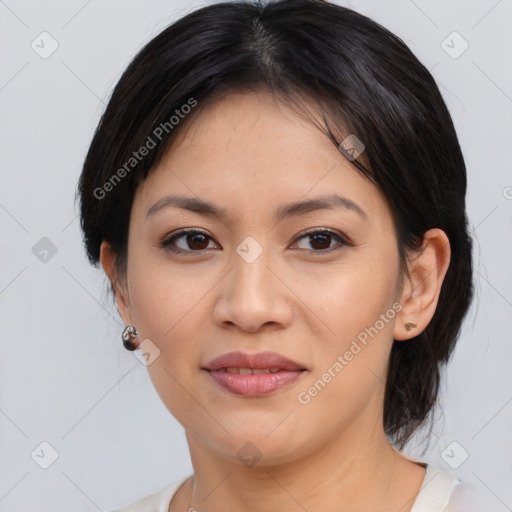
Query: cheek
x=349 y=373
x=348 y=297
x=166 y=309
x=165 y=297
x=354 y=304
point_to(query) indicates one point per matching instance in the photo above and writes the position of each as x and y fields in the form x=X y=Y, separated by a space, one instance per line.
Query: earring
x=129 y=333
x=409 y=325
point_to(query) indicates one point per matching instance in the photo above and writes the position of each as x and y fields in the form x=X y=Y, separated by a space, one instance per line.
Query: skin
x=249 y=155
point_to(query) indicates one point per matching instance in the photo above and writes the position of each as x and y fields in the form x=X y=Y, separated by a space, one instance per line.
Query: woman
x=277 y=196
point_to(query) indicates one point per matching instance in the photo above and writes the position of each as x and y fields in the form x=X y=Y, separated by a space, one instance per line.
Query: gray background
x=65 y=378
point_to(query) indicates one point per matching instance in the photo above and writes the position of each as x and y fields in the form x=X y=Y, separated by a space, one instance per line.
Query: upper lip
x=260 y=360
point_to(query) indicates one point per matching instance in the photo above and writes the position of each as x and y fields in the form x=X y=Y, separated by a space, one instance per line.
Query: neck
x=353 y=472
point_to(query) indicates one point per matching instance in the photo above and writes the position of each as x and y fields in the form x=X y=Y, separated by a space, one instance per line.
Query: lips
x=261 y=361
x=254 y=374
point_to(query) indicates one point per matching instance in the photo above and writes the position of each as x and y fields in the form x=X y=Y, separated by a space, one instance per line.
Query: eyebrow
x=325 y=202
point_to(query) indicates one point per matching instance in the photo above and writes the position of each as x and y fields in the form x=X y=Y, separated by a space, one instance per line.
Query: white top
x=440 y=492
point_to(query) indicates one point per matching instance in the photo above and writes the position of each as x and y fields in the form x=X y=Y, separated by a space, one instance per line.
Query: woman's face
x=253 y=281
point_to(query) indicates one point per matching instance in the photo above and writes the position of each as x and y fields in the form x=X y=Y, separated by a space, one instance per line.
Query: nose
x=252 y=296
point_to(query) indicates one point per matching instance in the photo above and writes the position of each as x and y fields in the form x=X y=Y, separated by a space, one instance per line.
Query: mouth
x=254 y=382
x=250 y=371
x=254 y=374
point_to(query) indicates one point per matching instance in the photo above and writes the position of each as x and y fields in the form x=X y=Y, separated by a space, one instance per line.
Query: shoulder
x=442 y=492
x=465 y=498
x=157 y=502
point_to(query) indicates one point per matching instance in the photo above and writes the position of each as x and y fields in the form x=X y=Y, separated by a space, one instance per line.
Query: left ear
x=420 y=293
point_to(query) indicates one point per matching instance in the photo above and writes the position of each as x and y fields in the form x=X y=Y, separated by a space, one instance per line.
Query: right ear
x=108 y=258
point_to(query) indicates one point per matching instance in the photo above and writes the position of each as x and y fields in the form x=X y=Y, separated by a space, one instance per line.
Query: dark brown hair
x=365 y=81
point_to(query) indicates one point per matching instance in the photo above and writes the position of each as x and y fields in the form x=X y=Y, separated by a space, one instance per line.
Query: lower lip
x=255 y=384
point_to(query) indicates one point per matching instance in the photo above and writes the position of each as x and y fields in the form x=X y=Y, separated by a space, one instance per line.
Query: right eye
x=191 y=240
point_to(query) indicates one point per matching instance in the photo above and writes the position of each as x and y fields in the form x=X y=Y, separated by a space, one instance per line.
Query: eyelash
x=167 y=244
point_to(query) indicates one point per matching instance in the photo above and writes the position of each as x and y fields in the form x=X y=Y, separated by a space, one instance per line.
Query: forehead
x=247 y=149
